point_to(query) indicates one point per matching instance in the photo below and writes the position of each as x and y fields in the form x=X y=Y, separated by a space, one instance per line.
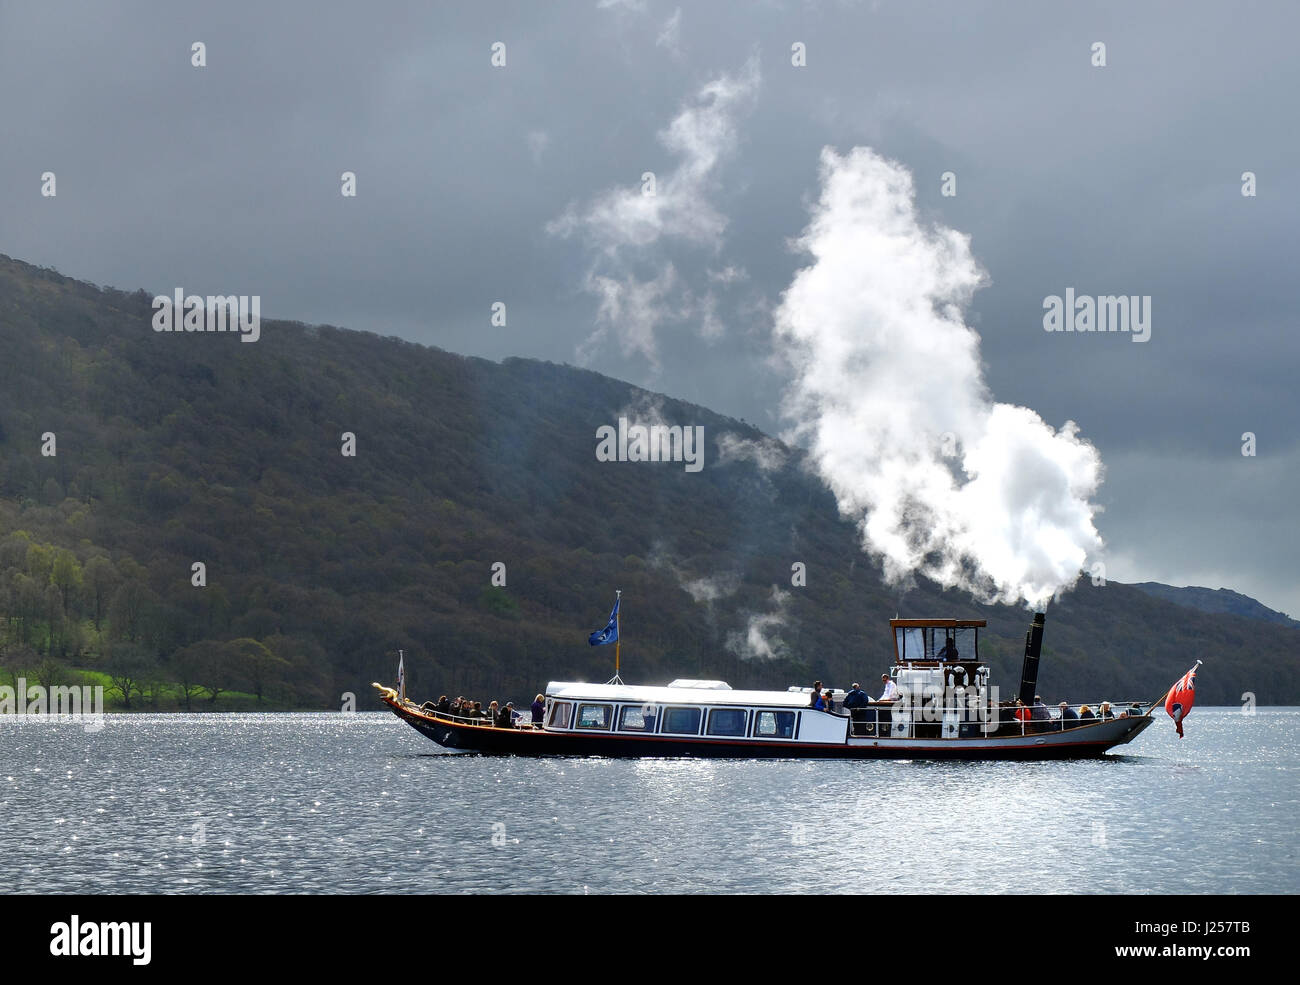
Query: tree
x=129 y=667
x=49 y=674
x=203 y=666
x=189 y=665
x=258 y=665
x=100 y=579
x=127 y=609
x=65 y=575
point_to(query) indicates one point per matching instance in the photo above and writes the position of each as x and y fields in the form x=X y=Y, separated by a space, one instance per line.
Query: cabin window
x=727 y=721
x=921 y=643
x=774 y=724
x=966 y=639
x=912 y=644
x=560 y=714
x=681 y=721
x=637 y=718
x=595 y=716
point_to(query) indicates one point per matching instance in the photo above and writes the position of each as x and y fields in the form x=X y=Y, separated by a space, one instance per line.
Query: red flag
x=1181 y=697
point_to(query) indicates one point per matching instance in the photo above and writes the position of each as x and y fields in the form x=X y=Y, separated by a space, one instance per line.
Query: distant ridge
x=1217 y=600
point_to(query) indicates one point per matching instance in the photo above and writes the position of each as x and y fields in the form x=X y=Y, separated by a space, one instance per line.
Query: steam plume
x=889 y=397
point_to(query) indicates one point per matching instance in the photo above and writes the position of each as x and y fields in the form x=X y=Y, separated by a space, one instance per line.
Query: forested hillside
x=172 y=450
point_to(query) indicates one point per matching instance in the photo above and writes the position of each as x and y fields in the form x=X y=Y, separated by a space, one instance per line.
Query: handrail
x=485 y=722
x=989 y=727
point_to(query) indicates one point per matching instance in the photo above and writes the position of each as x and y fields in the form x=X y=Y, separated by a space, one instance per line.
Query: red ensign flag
x=1181 y=697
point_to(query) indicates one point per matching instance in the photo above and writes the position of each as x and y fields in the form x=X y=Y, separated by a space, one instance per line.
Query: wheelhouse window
x=595 y=716
x=560 y=714
x=966 y=639
x=774 y=724
x=929 y=643
x=728 y=721
x=681 y=721
x=637 y=718
x=911 y=644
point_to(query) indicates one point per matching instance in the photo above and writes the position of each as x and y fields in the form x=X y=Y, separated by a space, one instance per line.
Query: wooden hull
x=1077 y=743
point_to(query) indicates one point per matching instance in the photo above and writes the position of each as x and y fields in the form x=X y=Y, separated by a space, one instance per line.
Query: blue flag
x=610 y=633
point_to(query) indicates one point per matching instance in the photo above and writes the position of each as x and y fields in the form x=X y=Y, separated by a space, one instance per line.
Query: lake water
x=333 y=803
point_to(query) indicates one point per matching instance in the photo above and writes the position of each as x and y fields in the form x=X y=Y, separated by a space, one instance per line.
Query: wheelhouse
x=936 y=641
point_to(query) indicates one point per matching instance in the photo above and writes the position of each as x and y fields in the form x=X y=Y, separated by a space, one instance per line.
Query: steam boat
x=944 y=708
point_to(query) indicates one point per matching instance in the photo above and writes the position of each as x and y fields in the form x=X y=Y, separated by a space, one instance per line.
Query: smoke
x=759 y=640
x=630 y=232
x=709 y=589
x=767 y=454
x=889 y=398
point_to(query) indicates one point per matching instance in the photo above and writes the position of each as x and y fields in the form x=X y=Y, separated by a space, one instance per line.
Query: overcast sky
x=522 y=184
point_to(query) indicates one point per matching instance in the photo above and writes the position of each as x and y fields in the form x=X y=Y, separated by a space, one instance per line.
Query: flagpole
x=618 y=636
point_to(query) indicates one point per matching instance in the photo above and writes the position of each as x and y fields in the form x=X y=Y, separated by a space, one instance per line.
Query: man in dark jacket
x=856 y=698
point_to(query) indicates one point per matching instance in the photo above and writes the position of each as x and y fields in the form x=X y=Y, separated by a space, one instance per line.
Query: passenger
x=1022 y=713
x=854 y=703
x=828 y=700
x=539 y=710
x=1086 y=715
x=444 y=705
x=949 y=651
x=856 y=698
x=1038 y=713
x=817 y=701
x=476 y=711
x=454 y=710
x=1106 y=713
x=1067 y=714
x=505 y=717
x=890 y=693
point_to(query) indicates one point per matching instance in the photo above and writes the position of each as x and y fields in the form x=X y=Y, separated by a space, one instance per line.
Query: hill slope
x=1217 y=600
x=173 y=450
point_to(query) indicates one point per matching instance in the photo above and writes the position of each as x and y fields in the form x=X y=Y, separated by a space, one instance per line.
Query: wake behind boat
x=937 y=703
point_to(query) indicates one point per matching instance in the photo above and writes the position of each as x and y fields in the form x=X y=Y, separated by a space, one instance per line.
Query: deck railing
x=878 y=721
x=485 y=722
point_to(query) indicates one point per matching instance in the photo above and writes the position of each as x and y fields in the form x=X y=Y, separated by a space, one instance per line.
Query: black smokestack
x=1033 y=647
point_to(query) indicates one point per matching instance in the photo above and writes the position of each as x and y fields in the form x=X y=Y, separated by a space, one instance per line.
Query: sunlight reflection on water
x=334 y=803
